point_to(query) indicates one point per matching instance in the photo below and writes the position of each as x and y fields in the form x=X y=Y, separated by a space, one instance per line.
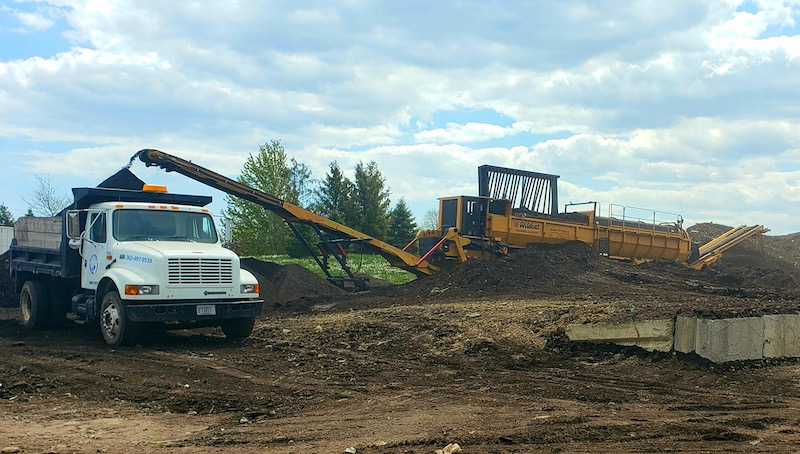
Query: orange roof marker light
x=154 y=188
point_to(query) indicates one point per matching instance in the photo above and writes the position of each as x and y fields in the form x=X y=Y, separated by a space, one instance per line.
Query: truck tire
x=117 y=330
x=238 y=328
x=34 y=305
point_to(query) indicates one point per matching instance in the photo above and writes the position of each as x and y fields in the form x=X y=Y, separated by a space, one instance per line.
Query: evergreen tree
x=335 y=198
x=6 y=218
x=402 y=228
x=255 y=230
x=373 y=200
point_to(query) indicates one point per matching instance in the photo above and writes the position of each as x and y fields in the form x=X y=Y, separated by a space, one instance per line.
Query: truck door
x=94 y=250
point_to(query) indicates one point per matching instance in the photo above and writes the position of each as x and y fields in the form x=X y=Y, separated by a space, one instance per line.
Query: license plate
x=206 y=309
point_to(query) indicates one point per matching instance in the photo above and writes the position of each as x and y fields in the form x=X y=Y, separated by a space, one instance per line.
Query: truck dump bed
x=37 y=246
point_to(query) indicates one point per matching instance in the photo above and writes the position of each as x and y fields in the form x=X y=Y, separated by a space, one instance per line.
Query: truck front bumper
x=192 y=310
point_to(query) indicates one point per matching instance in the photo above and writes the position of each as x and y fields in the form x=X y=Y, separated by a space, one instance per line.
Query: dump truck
x=514 y=208
x=122 y=258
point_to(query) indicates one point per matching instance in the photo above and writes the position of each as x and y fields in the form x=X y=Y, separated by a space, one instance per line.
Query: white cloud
x=34 y=21
x=464 y=133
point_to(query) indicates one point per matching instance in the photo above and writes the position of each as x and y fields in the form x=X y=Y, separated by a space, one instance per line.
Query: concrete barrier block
x=719 y=340
x=685 y=334
x=781 y=336
x=653 y=335
x=733 y=339
x=38 y=232
x=6 y=235
x=38 y=224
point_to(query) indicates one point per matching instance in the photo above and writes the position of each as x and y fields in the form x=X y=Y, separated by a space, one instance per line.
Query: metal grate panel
x=534 y=191
x=197 y=271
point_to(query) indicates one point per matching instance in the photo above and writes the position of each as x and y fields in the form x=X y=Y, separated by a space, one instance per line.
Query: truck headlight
x=249 y=288
x=141 y=289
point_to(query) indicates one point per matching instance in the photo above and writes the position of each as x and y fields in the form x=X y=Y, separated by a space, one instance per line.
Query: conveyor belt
x=711 y=251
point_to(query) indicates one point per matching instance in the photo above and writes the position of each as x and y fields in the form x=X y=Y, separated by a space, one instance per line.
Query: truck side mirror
x=228 y=230
x=73 y=225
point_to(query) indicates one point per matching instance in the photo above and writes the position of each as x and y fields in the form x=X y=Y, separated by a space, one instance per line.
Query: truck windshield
x=139 y=225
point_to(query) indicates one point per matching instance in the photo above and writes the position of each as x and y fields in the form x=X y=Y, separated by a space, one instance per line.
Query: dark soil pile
x=537 y=269
x=574 y=271
x=715 y=292
x=766 y=280
x=282 y=285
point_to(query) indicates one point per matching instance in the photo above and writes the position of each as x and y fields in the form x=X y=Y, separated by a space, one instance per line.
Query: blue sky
x=686 y=107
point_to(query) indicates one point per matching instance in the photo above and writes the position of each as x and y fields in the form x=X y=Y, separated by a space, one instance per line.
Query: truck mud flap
x=180 y=312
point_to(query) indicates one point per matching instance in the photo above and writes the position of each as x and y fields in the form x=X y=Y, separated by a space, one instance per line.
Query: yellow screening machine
x=517 y=207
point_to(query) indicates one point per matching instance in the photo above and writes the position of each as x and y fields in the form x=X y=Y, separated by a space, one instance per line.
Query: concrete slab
x=718 y=340
x=6 y=235
x=685 y=340
x=781 y=336
x=39 y=232
x=653 y=335
x=731 y=339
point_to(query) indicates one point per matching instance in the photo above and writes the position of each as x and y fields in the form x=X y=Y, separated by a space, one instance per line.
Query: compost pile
x=284 y=286
x=539 y=269
x=756 y=269
x=749 y=280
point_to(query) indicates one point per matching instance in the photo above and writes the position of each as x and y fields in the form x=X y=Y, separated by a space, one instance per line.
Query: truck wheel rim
x=26 y=306
x=110 y=321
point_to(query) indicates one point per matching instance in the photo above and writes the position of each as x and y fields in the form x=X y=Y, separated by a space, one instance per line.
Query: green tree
x=373 y=201
x=335 y=198
x=256 y=230
x=6 y=218
x=402 y=228
x=46 y=199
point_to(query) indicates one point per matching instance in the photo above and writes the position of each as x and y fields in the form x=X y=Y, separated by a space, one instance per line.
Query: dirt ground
x=475 y=356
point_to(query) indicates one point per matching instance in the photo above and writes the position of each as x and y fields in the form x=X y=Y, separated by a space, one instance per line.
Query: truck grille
x=200 y=271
